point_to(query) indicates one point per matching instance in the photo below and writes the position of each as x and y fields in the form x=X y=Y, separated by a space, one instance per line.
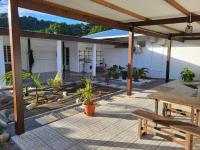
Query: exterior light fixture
x=189 y=27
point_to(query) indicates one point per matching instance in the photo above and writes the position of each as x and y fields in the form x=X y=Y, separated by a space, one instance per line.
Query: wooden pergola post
x=14 y=34
x=130 y=60
x=169 y=45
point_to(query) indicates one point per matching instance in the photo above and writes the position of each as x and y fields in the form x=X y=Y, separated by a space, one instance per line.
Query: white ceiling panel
x=93 y=8
x=190 y=5
x=148 y=8
x=153 y=9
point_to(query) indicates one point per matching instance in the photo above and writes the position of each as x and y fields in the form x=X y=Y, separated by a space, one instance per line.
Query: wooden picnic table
x=169 y=99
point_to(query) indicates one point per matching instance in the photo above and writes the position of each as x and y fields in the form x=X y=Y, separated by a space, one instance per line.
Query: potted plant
x=187 y=75
x=143 y=72
x=135 y=74
x=56 y=83
x=116 y=71
x=86 y=97
x=124 y=74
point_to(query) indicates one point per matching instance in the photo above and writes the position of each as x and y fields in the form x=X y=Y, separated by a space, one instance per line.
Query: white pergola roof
x=151 y=9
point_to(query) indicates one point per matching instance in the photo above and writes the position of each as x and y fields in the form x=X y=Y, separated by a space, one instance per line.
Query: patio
x=113 y=127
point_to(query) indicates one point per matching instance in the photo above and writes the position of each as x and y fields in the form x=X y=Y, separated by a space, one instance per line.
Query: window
x=7 y=58
x=7 y=54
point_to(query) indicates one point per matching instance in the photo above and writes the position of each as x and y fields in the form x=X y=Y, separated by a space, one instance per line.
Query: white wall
x=2 y=65
x=185 y=55
x=73 y=54
x=44 y=52
x=153 y=56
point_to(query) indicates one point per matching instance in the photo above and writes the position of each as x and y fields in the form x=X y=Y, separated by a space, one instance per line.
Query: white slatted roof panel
x=93 y=8
x=153 y=9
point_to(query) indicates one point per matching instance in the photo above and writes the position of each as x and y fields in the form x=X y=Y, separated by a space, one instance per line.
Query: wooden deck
x=113 y=127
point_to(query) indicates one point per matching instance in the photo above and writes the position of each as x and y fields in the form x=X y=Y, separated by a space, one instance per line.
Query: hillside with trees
x=33 y=24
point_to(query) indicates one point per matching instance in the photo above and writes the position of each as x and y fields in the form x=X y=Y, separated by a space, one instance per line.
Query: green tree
x=97 y=29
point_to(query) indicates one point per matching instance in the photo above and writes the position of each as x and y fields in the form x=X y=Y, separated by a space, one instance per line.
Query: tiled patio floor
x=113 y=127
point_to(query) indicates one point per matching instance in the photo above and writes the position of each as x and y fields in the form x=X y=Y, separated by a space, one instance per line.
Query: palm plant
x=86 y=92
x=116 y=71
x=7 y=78
x=56 y=83
x=143 y=72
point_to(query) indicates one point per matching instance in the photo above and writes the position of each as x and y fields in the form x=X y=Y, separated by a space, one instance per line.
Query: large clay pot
x=89 y=109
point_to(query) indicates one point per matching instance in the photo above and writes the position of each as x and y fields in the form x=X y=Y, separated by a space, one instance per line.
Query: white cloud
x=22 y=12
x=3 y=6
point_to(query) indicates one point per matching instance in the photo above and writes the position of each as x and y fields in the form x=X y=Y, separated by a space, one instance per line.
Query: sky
x=39 y=15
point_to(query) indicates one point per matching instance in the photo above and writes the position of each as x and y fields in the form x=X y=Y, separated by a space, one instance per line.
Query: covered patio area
x=113 y=126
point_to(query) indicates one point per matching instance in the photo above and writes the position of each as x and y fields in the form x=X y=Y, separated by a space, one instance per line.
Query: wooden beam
x=63 y=11
x=191 y=38
x=14 y=33
x=185 y=34
x=128 y=12
x=179 y=7
x=120 y=9
x=176 y=5
x=169 y=45
x=194 y=18
x=130 y=61
x=30 y=34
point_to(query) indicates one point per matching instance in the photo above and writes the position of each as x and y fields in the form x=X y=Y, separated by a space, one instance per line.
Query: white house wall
x=73 y=55
x=44 y=52
x=153 y=56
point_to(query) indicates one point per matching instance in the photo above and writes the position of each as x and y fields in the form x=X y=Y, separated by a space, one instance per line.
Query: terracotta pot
x=89 y=109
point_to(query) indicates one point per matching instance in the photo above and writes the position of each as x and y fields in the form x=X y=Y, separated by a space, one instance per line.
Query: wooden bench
x=163 y=127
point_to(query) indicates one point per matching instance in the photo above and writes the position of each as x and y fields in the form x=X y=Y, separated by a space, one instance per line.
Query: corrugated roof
x=113 y=33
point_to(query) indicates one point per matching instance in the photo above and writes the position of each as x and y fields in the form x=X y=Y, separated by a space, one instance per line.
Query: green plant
x=135 y=74
x=86 y=92
x=57 y=82
x=7 y=78
x=116 y=71
x=143 y=72
x=1 y=128
x=187 y=75
x=1 y=145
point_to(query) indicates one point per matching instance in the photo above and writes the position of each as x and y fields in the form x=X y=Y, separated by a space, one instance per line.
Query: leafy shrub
x=138 y=73
x=116 y=71
x=86 y=92
x=143 y=72
x=7 y=78
x=187 y=75
x=57 y=82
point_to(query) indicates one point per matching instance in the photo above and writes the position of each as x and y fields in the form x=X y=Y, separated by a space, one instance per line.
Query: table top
x=176 y=99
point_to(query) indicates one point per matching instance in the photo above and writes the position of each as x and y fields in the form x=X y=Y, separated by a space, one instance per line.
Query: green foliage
x=86 y=92
x=7 y=78
x=2 y=147
x=57 y=82
x=116 y=71
x=139 y=73
x=1 y=128
x=187 y=75
x=97 y=29
x=135 y=74
x=33 y=24
x=143 y=72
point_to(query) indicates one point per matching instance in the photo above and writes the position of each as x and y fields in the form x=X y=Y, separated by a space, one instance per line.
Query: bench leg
x=140 y=128
x=188 y=141
x=156 y=106
x=145 y=127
